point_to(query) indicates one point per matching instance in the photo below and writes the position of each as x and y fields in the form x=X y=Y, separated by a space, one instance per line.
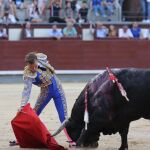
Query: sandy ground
x=10 y=96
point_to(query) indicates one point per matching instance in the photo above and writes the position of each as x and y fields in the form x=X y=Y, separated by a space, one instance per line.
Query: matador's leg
x=43 y=99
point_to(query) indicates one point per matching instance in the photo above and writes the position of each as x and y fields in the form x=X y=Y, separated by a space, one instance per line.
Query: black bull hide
x=109 y=112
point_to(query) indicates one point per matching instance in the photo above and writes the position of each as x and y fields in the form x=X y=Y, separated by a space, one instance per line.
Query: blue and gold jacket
x=41 y=78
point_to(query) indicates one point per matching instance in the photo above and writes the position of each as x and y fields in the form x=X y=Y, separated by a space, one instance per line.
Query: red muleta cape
x=30 y=132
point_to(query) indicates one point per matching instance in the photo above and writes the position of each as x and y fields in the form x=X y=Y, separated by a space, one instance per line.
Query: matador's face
x=33 y=67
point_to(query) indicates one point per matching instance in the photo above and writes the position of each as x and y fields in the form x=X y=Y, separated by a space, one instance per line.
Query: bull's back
x=136 y=82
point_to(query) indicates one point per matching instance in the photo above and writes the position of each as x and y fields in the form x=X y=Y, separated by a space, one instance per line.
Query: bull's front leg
x=88 y=138
x=124 y=138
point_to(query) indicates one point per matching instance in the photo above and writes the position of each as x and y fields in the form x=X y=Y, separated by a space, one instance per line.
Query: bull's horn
x=63 y=125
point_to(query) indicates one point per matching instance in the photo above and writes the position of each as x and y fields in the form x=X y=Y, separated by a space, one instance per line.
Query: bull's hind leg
x=124 y=138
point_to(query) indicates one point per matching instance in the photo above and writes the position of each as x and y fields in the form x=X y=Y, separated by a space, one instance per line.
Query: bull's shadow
x=109 y=111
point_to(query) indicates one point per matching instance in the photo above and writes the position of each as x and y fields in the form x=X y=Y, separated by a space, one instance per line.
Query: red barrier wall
x=77 y=54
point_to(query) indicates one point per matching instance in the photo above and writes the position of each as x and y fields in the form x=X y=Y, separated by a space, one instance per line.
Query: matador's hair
x=31 y=57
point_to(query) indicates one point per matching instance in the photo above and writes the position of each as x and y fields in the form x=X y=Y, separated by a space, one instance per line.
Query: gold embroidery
x=41 y=98
x=45 y=77
x=29 y=73
x=42 y=59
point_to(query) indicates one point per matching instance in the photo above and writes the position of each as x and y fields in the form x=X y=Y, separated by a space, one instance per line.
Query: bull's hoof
x=80 y=146
x=123 y=148
x=94 y=145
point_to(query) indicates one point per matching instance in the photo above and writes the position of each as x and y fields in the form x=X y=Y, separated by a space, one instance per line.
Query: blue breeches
x=56 y=92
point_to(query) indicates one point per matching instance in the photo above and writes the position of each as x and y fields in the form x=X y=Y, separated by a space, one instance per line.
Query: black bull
x=109 y=112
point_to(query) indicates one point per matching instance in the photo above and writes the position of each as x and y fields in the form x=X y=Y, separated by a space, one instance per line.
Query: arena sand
x=10 y=96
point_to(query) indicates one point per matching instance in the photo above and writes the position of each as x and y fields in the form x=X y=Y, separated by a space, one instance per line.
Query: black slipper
x=13 y=143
